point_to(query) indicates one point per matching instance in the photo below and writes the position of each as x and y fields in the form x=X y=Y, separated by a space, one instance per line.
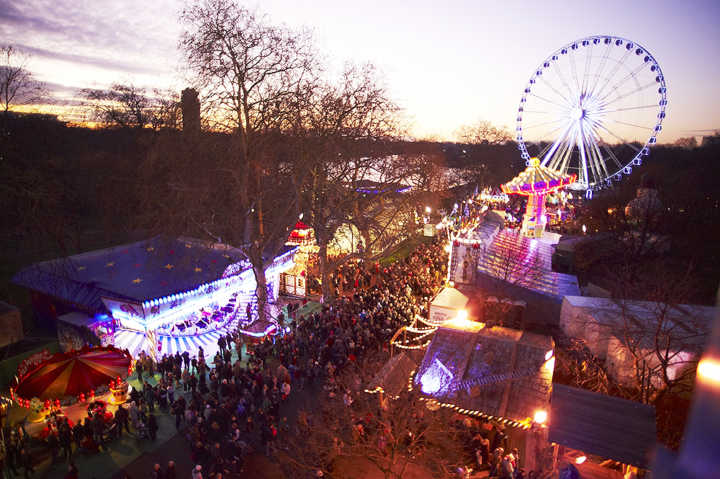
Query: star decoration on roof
x=168 y=266
x=150 y=249
x=198 y=270
x=137 y=281
x=110 y=264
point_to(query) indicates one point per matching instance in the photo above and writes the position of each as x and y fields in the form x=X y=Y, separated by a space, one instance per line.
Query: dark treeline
x=69 y=189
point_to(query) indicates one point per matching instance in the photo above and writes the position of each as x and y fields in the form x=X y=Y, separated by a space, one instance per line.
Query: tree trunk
x=326 y=284
x=260 y=287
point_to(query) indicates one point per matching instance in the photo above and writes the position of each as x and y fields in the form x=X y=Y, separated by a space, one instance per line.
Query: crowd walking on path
x=239 y=404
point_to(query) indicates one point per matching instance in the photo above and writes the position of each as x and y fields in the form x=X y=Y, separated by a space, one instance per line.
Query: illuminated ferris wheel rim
x=581 y=110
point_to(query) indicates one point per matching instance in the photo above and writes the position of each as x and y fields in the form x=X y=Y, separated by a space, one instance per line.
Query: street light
x=540 y=417
x=428 y=209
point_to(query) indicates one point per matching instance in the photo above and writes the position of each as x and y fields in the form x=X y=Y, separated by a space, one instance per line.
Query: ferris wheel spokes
x=585 y=101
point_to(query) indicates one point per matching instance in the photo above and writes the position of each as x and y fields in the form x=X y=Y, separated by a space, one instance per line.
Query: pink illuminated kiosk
x=536 y=182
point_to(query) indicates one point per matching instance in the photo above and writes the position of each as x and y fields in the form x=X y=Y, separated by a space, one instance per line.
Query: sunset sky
x=446 y=63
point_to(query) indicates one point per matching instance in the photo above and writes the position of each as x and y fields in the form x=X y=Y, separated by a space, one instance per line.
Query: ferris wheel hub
x=577 y=113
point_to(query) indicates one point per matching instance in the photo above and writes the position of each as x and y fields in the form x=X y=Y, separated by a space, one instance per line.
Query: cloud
x=132 y=37
x=90 y=60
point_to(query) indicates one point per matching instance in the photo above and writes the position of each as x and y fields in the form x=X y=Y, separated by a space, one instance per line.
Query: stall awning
x=450 y=298
x=602 y=425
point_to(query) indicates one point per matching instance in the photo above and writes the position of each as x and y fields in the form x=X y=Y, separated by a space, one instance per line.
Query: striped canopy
x=74 y=372
x=537 y=179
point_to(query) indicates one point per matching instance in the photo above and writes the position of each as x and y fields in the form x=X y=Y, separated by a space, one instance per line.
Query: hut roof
x=497 y=371
x=394 y=375
x=603 y=425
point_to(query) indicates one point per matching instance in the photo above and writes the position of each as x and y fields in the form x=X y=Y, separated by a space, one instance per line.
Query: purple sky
x=446 y=63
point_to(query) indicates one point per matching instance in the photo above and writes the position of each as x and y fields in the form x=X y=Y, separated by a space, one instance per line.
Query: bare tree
x=130 y=106
x=661 y=338
x=689 y=142
x=483 y=132
x=17 y=84
x=255 y=77
x=394 y=435
x=354 y=181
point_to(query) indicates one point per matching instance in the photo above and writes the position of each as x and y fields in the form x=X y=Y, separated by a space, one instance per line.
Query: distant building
x=190 y=111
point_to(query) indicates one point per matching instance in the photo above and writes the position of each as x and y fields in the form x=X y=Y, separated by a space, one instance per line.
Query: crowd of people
x=239 y=404
x=233 y=403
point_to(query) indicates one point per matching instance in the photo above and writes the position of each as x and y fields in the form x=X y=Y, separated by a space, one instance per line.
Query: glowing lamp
x=540 y=417
x=580 y=459
x=549 y=354
x=549 y=365
x=462 y=315
x=428 y=209
x=708 y=371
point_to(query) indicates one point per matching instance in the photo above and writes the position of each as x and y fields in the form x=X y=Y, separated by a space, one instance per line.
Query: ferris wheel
x=593 y=108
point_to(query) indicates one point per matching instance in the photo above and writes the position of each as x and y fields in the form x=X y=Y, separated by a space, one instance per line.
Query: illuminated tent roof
x=537 y=179
x=147 y=269
x=72 y=373
x=527 y=263
x=497 y=371
x=606 y=426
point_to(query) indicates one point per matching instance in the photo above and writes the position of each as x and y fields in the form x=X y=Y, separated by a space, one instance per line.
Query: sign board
x=429 y=230
x=130 y=308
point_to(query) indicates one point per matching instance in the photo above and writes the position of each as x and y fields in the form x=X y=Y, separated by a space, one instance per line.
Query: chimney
x=190 y=111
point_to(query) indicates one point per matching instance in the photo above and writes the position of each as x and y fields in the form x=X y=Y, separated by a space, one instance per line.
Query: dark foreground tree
x=398 y=437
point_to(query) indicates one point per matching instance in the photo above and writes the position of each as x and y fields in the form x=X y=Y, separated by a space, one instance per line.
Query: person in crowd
x=73 y=472
x=157 y=472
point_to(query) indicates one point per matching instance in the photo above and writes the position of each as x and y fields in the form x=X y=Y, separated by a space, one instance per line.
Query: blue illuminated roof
x=138 y=271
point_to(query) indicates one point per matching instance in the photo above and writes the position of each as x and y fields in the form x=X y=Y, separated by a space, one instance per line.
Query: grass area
x=405 y=248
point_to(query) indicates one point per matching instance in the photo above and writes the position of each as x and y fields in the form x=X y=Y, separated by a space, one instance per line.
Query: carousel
x=73 y=377
x=535 y=183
